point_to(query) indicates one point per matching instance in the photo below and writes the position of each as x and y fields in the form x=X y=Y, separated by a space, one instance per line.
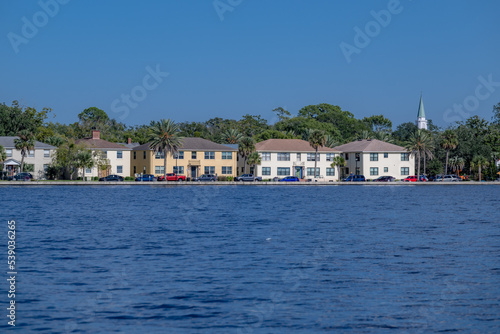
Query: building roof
x=97 y=143
x=370 y=145
x=131 y=145
x=421 y=112
x=193 y=144
x=289 y=145
x=8 y=142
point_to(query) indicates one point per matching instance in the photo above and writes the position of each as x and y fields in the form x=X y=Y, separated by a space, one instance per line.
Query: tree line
x=469 y=147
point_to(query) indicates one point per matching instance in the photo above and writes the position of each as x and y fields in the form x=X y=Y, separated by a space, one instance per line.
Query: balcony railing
x=194 y=162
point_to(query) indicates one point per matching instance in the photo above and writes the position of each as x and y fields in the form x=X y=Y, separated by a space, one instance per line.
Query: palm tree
x=428 y=147
x=478 y=162
x=253 y=160
x=457 y=164
x=330 y=141
x=449 y=142
x=383 y=136
x=164 y=135
x=245 y=147
x=24 y=143
x=316 y=139
x=364 y=135
x=3 y=157
x=339 y=162
x=416 y=145
x=231 y=136
x=85 y=160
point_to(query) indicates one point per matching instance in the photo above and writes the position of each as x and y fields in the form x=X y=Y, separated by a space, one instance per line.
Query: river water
x=258 y=259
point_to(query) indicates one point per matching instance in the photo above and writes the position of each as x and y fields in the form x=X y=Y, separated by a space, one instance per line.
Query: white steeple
x=421 y=121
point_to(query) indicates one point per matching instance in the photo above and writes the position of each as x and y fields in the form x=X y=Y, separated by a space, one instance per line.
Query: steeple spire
x=421 y=121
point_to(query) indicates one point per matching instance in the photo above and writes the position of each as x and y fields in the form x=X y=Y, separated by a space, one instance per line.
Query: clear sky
x=227 y=58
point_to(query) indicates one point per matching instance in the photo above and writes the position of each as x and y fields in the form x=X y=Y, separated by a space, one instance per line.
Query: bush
x=129 y=178
x=221 y=178
x=95 y=178
x=230 y=178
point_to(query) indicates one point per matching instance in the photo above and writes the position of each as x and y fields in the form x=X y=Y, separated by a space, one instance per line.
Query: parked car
x=247 y=177
x=446 y=178
x=206 y=177
x=276 y=179
x=423 y=178
x=172 y=177
x=412 y=178
x=112 y=178
x=355 y=178
x=385 y=178
x=290 y=179
x=146 y=178
x=22 y=176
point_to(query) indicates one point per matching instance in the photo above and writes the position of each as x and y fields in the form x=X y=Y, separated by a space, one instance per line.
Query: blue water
x=243 y=259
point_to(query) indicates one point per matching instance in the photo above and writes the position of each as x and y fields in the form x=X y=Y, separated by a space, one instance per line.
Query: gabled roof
x=421 y=112
x=193 y=144
x=8 y=142
x=370 y=145
x=101 y=144
x=289 y=145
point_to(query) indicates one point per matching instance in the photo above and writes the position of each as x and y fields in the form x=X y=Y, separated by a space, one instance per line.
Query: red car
x=414 y=178
x=172 y=177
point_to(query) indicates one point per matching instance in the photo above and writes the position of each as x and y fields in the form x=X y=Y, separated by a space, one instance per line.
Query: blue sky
x=251 y=57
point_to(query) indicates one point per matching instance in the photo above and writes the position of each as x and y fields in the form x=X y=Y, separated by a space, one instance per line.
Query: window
x=227 y=169
x=330 y=171
x=87 y=170
x=284 y=171
x=209 y=156
x=347 y=156
x=405 y=170
x=46 y=153
x=119 y=169
x=284 y=157
x=144 y=158
x=158 y=155
x=357 y=157
x=373 y=170
x=347 y=170
x=311 y=156
x=330 y=156
x=158 y=169
x=179 y=155
x=179 y=170
x=45 y=167
x=193 y=155
x=135 y=155
x=135 y=168
x=386 y=169
x=405 y=157
x=298 y=157
x=209 y=169
x=310 y=171
x=9 y=152
x=373 y=157
x=266 y=156
x=227 y=156
x=386 y=155
x=119 y=154
x=105 y=154
x=266 y=170
x=31 y=153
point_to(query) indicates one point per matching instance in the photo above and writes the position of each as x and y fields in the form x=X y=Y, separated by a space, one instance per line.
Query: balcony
x=299 y=163
x=194 y=162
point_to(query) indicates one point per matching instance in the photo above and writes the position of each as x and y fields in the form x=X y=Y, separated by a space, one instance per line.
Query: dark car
x=22 y=176
x=112 y=178
x=146 y=178
x=385 y=178
x=355 y=178
x=290 y=179
x=206 y=177
x=248 y=177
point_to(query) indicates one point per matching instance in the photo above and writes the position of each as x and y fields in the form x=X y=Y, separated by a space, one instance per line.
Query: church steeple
x=421 y=121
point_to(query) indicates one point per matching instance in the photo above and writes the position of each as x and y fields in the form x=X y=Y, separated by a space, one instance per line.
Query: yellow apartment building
x=195 y=157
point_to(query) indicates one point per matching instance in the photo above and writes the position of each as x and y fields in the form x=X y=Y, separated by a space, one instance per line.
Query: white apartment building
x=117 y=155
x=373 y=158
x=35 y=161
x=292 y=157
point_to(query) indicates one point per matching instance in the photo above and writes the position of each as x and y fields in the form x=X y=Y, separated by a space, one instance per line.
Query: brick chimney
x=96 y=134
x=130 y=141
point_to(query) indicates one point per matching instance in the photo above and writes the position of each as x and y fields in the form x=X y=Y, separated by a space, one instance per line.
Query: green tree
x=316 y=139
x=457 y=164
x=165 y=139
x=417 y=144
x=496 y=113
x=25 y=142
x=449 y=142
x=339 y=162
x=254 y=159
x=246 y=146
x=84 y=160
x=231 y=136
x=282 y=114
x=479 y=162
x=378 y=123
